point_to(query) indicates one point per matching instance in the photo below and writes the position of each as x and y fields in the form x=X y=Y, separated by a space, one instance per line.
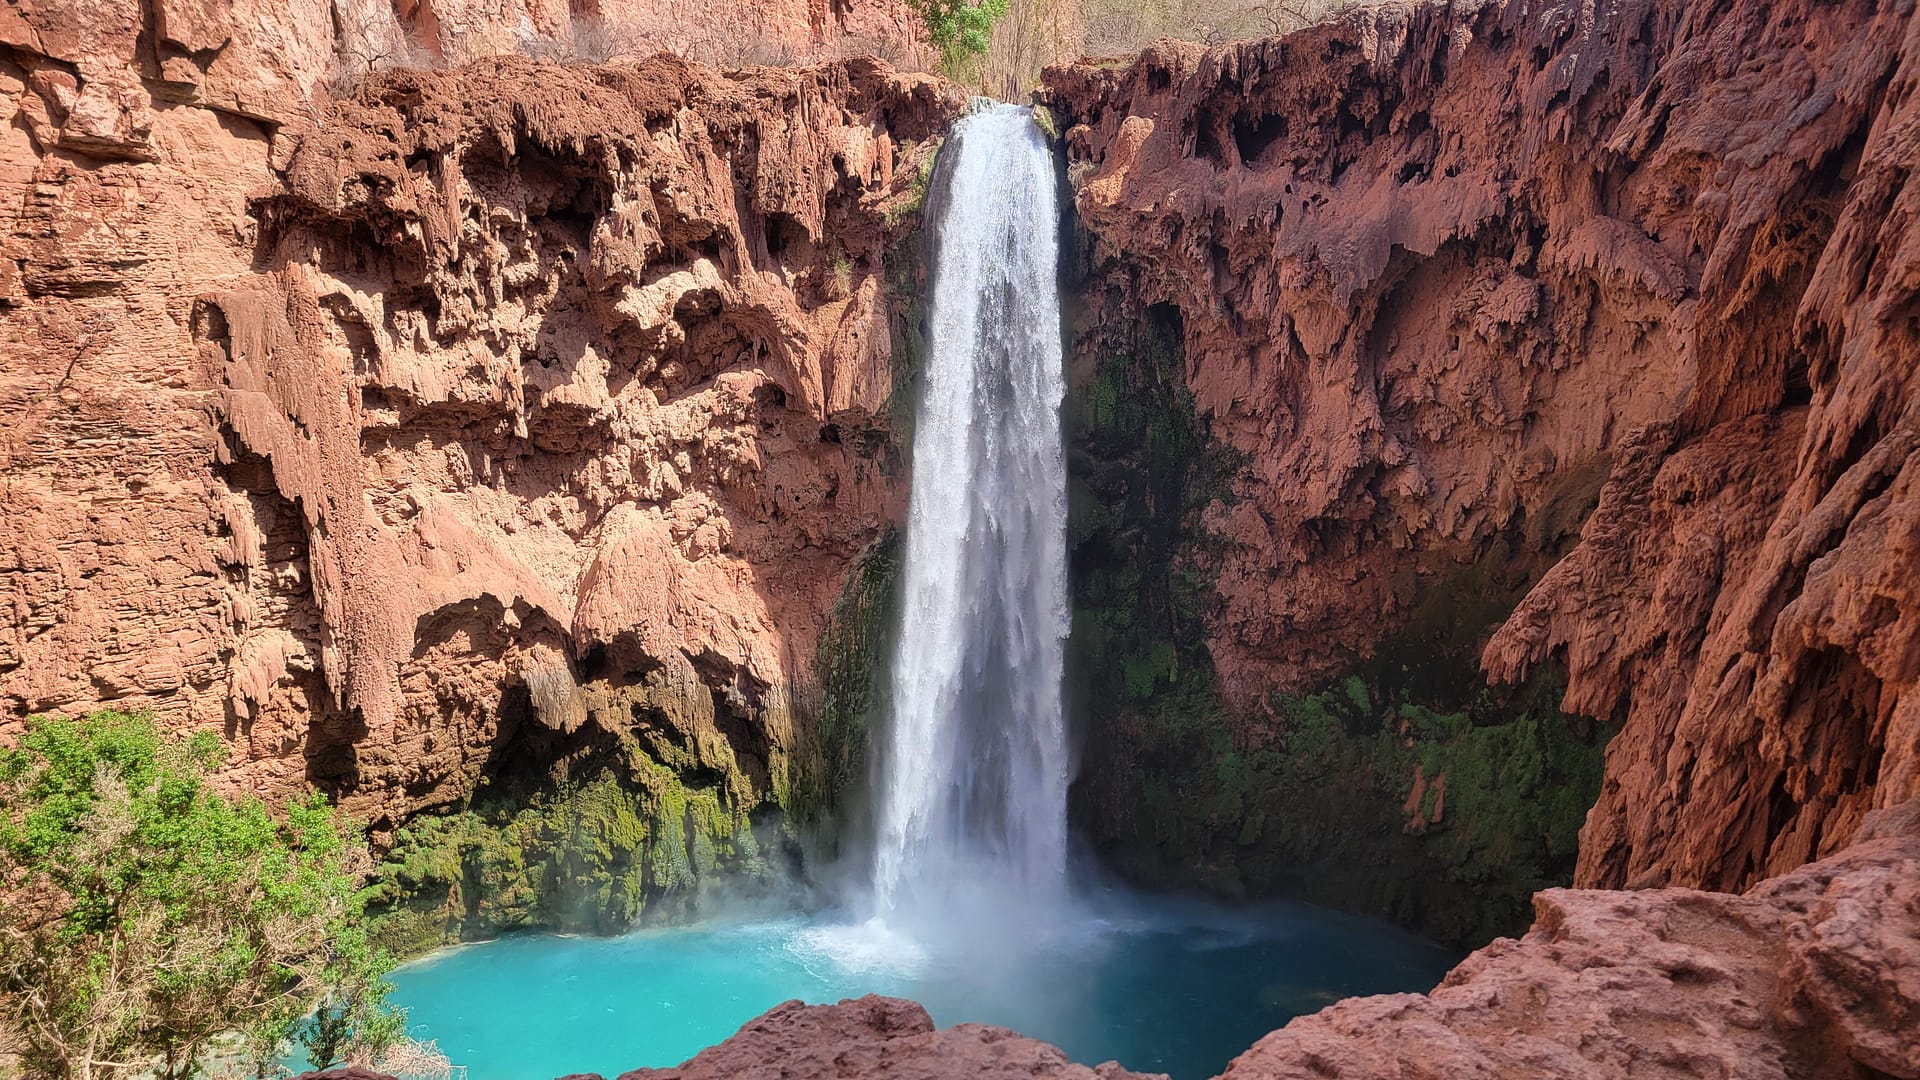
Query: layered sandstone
x=489 y=416
x=1439 y=269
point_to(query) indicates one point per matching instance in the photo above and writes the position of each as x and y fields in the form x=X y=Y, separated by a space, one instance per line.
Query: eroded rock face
x=112 y=69
x=501 y=416
x=1437 y=269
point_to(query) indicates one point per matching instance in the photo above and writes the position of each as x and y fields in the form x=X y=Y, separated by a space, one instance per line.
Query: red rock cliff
x=117 y=64
x=486 y=406
x=1434 y=264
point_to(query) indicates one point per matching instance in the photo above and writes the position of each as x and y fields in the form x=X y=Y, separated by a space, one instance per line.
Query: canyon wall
x=121 y=63
x=1456 y=386
x=494 y=426
x=1568 y=346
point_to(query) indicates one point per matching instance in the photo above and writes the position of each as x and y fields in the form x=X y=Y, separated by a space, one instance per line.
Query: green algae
x=1049 y=126
x=848 y=665
x=917 y=187
x=904 y=269
x=635 y=841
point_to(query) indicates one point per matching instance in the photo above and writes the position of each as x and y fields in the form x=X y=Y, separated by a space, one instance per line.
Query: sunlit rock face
x=495 y=421
x=1606 y=306
x=112 y=69
x=879 y=1036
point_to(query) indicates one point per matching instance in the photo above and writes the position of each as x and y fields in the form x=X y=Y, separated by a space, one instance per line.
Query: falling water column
x=974 y=773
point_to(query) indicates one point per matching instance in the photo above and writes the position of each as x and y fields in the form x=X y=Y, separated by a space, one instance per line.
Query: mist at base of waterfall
x=1160 y=985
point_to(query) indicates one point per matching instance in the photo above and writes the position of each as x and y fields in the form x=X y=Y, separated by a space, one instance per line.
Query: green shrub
x=144 y=913
x=960 y=29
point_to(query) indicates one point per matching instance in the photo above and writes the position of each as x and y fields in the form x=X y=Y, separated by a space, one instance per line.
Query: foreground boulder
x=875 y=1036
x=1813 y=973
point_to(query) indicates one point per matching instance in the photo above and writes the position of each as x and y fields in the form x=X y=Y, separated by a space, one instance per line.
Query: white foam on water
x=867 y=950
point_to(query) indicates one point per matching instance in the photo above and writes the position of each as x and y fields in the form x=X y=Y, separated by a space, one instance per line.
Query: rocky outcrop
x=876 y=1036
x=108 y=73
x=1813 y=973
x=1602 y=309
x=499 y=421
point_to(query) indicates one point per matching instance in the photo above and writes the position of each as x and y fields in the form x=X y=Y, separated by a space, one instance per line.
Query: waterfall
x=973 y=784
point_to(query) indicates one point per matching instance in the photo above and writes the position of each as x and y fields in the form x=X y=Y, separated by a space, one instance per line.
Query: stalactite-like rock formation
x=1442 y=271
x=493 y=419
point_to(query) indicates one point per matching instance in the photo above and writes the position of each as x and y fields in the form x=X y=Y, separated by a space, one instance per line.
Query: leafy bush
x=142 y=913
x=961 y=29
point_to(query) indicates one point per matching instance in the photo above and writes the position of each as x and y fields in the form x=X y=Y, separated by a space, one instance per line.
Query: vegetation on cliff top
x=960 y=29
x=1033 y=34
x=147 y=915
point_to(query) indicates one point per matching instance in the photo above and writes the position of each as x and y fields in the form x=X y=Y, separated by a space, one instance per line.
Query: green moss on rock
x=848 y=667
x=634 y=841
x=906 y=277
x=1049 y=126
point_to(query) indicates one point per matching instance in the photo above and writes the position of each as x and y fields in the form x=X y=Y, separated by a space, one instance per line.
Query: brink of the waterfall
x=974 y=769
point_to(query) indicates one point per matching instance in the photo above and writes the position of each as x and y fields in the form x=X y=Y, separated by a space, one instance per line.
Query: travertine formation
x=429 y=435
x=112 y=69
x=1440 y=269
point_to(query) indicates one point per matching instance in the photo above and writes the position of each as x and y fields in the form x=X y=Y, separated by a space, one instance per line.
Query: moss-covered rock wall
x=665 y=790
x=661 y=799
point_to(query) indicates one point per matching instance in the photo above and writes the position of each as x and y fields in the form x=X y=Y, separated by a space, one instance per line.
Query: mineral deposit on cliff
x=1436 y=264
x=404 y=437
